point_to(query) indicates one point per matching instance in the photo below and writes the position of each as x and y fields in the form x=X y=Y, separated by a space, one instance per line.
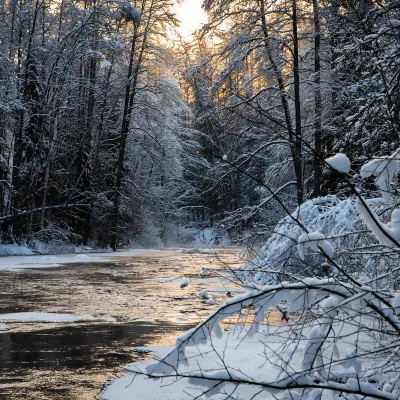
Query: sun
x=191 y=15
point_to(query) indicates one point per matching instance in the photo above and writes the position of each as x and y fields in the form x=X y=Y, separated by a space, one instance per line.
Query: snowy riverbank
x=236 y=354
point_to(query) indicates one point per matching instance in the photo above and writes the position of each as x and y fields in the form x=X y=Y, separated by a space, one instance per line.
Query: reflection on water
x=67 y=352
x=74 y=346
x=60 y=361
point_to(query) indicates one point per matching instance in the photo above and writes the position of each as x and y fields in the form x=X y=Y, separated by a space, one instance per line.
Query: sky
x=192 y=16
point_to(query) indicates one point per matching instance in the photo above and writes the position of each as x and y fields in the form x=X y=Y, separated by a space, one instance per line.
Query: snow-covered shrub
x=327 y=215
x=51 y=247
x=52 y=240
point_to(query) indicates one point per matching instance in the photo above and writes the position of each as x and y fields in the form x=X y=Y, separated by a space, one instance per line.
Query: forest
x=114 y=134
x=273 y=128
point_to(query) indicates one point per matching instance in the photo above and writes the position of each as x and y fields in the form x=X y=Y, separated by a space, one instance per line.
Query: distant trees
x=272 y=88
x=75 y=81
x=292 y=82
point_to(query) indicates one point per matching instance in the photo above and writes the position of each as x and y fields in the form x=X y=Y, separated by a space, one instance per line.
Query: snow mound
x=340 y=162
x=82 y=257
x=184 y=283
x=327 y=215
x=15 y=250
x=239 y=349
x=108 y=249
x=203 y=295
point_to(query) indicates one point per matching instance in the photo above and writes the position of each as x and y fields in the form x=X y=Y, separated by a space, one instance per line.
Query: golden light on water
x=191 y=15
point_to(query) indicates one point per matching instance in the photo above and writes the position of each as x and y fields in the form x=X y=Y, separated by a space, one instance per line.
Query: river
x=129 y=301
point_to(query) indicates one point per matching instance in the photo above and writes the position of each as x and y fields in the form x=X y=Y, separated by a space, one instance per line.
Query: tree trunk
x=317 y=100
x=130 y=93
x=128 y=103
x=294 y=139
x=297 y=102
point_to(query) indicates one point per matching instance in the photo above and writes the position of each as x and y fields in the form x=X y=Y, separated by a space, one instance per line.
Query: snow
x=47 y=317
x=82 y=257
x=316 y=241
x=326 y=343
x=146 y=389
x=224 y=289
x=328 y=215
x=45 y=261
x=196 y=250
x=3 y=327
x=105 y=64
x=372 y=37
x=395 y=23
x=184 y=283
x=15 y=250
x=387 y=234
x=276 y=356
x=312 y=348
x=203 y=295
x=202 y=237
x=130 y=12
x=242 y=356
x=340 y=162
x=396 y=304
x=385 y=169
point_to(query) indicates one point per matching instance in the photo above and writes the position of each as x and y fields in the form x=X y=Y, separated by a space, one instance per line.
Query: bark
x=48 y=158
x=317 y=100
x=129 y=96
x=130 y=92
x=87 y=146
x=17 y=148
x=30 y=96
x=297 y=101
x=294 y=137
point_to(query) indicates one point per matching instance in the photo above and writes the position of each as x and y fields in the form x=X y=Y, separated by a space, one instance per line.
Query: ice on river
x=46 y=317
x=197 y=250
x=18 y=262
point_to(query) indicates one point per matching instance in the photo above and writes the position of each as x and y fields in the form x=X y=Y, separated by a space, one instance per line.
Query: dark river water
x=132 y=302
